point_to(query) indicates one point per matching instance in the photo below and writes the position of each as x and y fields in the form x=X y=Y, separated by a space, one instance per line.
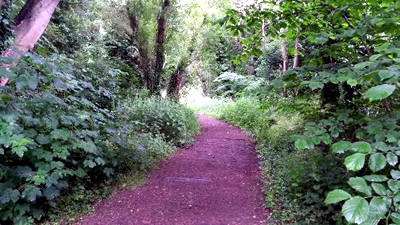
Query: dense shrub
x=60 y=133
x=174 y=122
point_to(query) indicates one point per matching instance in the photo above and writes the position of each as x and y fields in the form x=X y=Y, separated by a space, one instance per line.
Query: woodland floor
x=214 y=182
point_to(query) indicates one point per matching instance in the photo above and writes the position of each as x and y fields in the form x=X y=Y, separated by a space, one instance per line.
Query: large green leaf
x=379 y=189
x=355 y=162
x=362 y=147
x=372 y=220
x=386 y=74
x=395 y=217
x=356 y=210
x=341 y=146
x=377 y=162
x=379 y=205
x=360 y=185
x=380 y=92
x=336 y=196
x=376 y=178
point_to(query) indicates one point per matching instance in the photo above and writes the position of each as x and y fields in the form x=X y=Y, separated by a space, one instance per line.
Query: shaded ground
x=214 y=182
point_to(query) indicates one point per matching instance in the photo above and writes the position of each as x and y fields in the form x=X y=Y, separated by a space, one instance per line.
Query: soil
x=214 y=182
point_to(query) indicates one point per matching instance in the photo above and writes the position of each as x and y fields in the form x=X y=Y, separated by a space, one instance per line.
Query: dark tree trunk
x=30 y=24
x=159 y=47
x=176 y=81
x=144 y=61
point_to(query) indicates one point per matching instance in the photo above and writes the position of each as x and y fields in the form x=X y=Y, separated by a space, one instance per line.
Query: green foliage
x=296 y=182
x=230 y=84
x=172 y=121
x=6 y=24
x=270 y=61
x=59 y=130
x=350 y=55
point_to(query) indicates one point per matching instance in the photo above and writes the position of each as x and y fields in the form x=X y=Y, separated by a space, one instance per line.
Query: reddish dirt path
x=214 y=182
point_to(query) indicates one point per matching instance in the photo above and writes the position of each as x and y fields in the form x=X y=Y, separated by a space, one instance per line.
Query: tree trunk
x=144 y=61
x=175 y=82
x=159 y=48
x=32 y=21
x=285 y=56
x=30 y=24
x=296 y=60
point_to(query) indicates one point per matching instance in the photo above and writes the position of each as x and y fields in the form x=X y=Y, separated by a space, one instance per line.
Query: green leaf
x=51 y=193
x=396 y=197
x=392 y=159
x=379 y=189
x=385 y=74
x=314 y=85
x=341 y=146
x=336 y=196
x=9 y=195
x=380 y=92
x=379 y=206
x=376 y=178
x=60 y=134
x=89 y=163
x=363 y=65
x=356 y=210
x=325 y=138
x=21 y=209
x=20 y=150
x=362 y=147
x=394 y=185
x=88 y=146
x=377 y=162
x=355 y=162
x=371 y=221
x=31 y=193
x=375 y=57
x=352 y=82
x=43 y=139
x=395 y=174
x=301 y=144
x=395 y=217
x=360 y=185
x=100 y=161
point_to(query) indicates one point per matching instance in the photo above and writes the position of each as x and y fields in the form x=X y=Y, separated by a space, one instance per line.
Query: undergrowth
x=296 y=182
x=64 y=142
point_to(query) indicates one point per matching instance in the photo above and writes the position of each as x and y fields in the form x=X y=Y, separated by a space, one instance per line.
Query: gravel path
x=214 y=182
